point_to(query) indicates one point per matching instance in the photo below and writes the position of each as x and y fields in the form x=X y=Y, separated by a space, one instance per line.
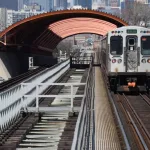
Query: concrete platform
x=106 y=137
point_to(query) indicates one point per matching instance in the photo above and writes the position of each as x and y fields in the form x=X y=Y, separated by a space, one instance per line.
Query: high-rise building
x=60 y=4
x=46 y=5
x=20 y=4
x=3 y=18
x=9 y=4
x=114 y=3
x=142 y=1
x=84 y=3
x=51 y=5
x=15 y=16
x=122 y=5
x=98 y=4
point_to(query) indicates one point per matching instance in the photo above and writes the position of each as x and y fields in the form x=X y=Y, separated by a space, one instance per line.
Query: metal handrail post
x=37 y=98
x=72 y=98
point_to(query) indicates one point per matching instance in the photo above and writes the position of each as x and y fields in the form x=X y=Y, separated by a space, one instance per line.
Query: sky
x=9 y=4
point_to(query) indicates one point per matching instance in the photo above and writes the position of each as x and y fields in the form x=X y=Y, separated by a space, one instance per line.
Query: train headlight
x=119 y=61
x=113 y=60
x=143 y=61
x=148 y=60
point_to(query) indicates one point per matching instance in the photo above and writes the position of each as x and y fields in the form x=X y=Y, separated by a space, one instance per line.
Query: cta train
x=125 y=58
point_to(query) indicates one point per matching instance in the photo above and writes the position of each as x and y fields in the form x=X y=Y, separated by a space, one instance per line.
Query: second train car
x=125 y=58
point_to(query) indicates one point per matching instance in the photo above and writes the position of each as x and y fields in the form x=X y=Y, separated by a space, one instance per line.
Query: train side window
x=116 y=46
x=145 y=45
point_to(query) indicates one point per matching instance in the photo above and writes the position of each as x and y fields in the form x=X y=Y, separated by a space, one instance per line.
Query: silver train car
x=125 y=58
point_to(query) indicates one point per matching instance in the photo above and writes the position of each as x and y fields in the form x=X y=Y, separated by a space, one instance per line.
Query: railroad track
x=50 y=130
x=134 y=113
x=18 y=79
x=136 y=110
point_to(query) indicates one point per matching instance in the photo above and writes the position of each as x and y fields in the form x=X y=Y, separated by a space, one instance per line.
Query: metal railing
x=11 y=99
x=81 y=60
x=37 y=94
x=84 y=131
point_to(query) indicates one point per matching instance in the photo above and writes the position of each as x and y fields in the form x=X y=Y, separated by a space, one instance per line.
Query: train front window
x=116 y=45
x=145 y=45
x=132 y=41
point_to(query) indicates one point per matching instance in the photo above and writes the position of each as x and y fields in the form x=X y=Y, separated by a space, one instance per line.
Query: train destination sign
x=131 y=31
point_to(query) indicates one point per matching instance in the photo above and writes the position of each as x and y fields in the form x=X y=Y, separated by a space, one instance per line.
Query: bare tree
x=65 y=47
x=145 y=15
x=136 y=13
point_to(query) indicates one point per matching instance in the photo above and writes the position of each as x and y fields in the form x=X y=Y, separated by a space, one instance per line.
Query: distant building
x=3 y=18
x=77 y=7
x=112 y=10
x=51 y=5
x=98 y=4
x=9 y=17
x=15 y=16
x=20 y=4
x=84 y=3
x=128 y=3
x=122 y=5
x=45 y=5
x=142 y=1
x=60 y=4
x=68 y=4
x=114 y=3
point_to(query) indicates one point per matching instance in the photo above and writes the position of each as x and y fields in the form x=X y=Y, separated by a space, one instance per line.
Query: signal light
x=131 y=84
x=114 y=60
x=119 y=61
x=143 y=61
x=148 y=60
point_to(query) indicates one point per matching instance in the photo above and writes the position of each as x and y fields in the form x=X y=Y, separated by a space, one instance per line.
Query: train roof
x=130 y=27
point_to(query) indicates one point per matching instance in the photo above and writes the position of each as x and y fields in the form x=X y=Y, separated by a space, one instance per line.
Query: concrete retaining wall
x=13 y=64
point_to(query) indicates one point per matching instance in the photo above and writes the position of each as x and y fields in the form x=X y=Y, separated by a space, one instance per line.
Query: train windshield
x=116 y=45
x=145 y=45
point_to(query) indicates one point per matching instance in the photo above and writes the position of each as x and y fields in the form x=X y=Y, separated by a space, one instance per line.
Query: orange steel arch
x=46 y=30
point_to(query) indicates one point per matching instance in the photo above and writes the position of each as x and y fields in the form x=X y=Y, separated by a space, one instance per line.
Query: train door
x=132 y=54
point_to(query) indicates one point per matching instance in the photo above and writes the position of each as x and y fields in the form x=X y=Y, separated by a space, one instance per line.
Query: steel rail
x=145 y=98
x=140 y=123
x=11 y=82
x=128 y=120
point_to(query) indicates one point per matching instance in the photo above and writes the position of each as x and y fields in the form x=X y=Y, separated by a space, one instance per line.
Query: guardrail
x=37 y=94
x=80 y=62
x=11 y=99
x=84 y=131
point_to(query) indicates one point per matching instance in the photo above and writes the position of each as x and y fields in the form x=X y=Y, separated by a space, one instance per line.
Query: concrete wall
x=13 y=64
x=9 y=65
